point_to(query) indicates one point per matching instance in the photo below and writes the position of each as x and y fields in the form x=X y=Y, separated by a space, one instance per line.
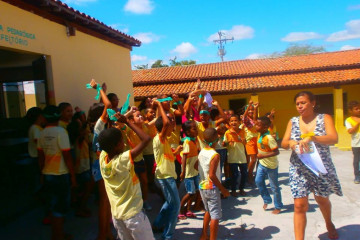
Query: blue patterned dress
x=302 y=180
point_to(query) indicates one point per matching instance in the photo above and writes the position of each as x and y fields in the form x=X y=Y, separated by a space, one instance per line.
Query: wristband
x=305 y=135
x=98 y=88
x=200 y=96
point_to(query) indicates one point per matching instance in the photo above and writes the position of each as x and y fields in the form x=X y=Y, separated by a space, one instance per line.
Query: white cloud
x=138 y=58
x=301 y=36
x=255 y=56
x=184 y=50
x=354 y=7
x=147 y=37
x=139 y=6
x=352 y=31
x=238 y=32
x=79 y=2
x=348 y=47
x=121 y=27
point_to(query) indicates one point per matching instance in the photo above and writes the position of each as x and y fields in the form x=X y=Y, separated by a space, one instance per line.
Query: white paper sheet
x=208 y=99
x=313 y=161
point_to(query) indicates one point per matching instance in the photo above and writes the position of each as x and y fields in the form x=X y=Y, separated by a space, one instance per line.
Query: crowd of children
x=130 y=151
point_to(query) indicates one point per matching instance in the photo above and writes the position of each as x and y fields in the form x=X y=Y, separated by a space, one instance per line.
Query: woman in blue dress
x=300 y=132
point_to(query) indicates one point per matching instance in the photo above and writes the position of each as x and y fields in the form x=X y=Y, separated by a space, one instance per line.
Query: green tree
x=173 y=62
x=296 y=50
x=143 y=66
x=159 y=64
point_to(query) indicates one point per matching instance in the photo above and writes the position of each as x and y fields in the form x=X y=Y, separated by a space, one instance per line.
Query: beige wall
x=72 y=61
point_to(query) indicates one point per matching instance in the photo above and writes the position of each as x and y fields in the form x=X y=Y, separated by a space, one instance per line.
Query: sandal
x=182 y=217
x=190 y=214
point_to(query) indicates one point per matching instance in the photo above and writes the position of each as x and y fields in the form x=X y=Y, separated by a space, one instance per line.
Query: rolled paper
x=126 y=105
x=111 y=114
x=204 y=112
x=98 y=88
x=165 y=99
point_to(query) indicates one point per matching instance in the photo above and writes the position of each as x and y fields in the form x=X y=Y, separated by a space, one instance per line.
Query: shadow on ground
x=348 y=232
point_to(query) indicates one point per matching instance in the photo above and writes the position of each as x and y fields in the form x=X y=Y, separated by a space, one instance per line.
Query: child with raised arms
x=189 y=173
x=210 y=185
x=268 y=165
x=122 y=184
x=234 y=139
x=165 y=175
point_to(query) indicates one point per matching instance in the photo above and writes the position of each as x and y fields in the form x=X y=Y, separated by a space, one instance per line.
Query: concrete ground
x=243 y=217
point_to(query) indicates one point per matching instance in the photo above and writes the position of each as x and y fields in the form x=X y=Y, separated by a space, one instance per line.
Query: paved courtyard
x=243 y=217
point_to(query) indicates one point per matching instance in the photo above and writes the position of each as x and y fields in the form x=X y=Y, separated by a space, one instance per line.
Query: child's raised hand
x=250 y=102
x=93 y=84
x=215 y=103
x=256 y=105
x=120 y=118
x=104 y=87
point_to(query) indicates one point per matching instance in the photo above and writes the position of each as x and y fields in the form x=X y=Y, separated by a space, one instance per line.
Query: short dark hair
x=210 y=135
x=32 y=114
x=159 y=124
x=235 y=115
x=109 y=138
x=265 y=120
x=186 y=126
x=111 y=95
x=309 y=94
x=73 y=130
x=353 y=104
x=63 y=105
x=51 y=113
x=214 y=113
x=95 y=112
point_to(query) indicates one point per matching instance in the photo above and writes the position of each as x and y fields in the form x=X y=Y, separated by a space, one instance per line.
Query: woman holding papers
x=302 y=134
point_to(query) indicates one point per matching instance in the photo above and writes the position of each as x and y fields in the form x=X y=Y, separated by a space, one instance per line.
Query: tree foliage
x=143 y=66
x=159 y=64
x=296 y=50
x=173 y=62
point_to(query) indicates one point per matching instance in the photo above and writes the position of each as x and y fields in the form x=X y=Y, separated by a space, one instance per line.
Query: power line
x=222 y=39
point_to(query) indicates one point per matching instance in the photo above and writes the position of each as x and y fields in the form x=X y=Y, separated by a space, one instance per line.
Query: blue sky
x=186 y=28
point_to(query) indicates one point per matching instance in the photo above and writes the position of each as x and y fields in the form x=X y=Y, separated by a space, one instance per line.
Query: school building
x=334 y=77
x=49 y=51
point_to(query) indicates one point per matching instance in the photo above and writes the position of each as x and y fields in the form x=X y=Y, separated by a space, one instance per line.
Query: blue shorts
x=83 y=177
x=96 y=170
x=192 y=184
x=57 y=190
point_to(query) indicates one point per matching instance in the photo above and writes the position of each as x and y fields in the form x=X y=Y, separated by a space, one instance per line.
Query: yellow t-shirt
x=355 y=137
x=83 y=156
x=151 y=131
x=201 y=130
x=121 y=184
x=236 y=150
x=52 y=141
x=164 y=158
x=174 y=138
x=133 y=140
x=34 y=134
x=250 y=133
x=63 y=124
x=268 y=145
x=191 y=150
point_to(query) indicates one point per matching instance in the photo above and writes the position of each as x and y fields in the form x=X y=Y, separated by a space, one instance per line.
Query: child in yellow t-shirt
x=352 y=125
x=234 y=139
x=165 y=175
x=121 y=183
x=140 y=168
x=268 y=165
x=189 y=173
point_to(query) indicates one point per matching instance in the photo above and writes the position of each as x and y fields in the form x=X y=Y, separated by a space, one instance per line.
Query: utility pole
x=221 y=41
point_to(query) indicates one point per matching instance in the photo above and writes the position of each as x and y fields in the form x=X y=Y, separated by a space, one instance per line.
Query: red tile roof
x=60 y=12
x=313 y=70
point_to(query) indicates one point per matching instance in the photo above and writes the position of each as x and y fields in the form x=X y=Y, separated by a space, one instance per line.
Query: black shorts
x=140 y=166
